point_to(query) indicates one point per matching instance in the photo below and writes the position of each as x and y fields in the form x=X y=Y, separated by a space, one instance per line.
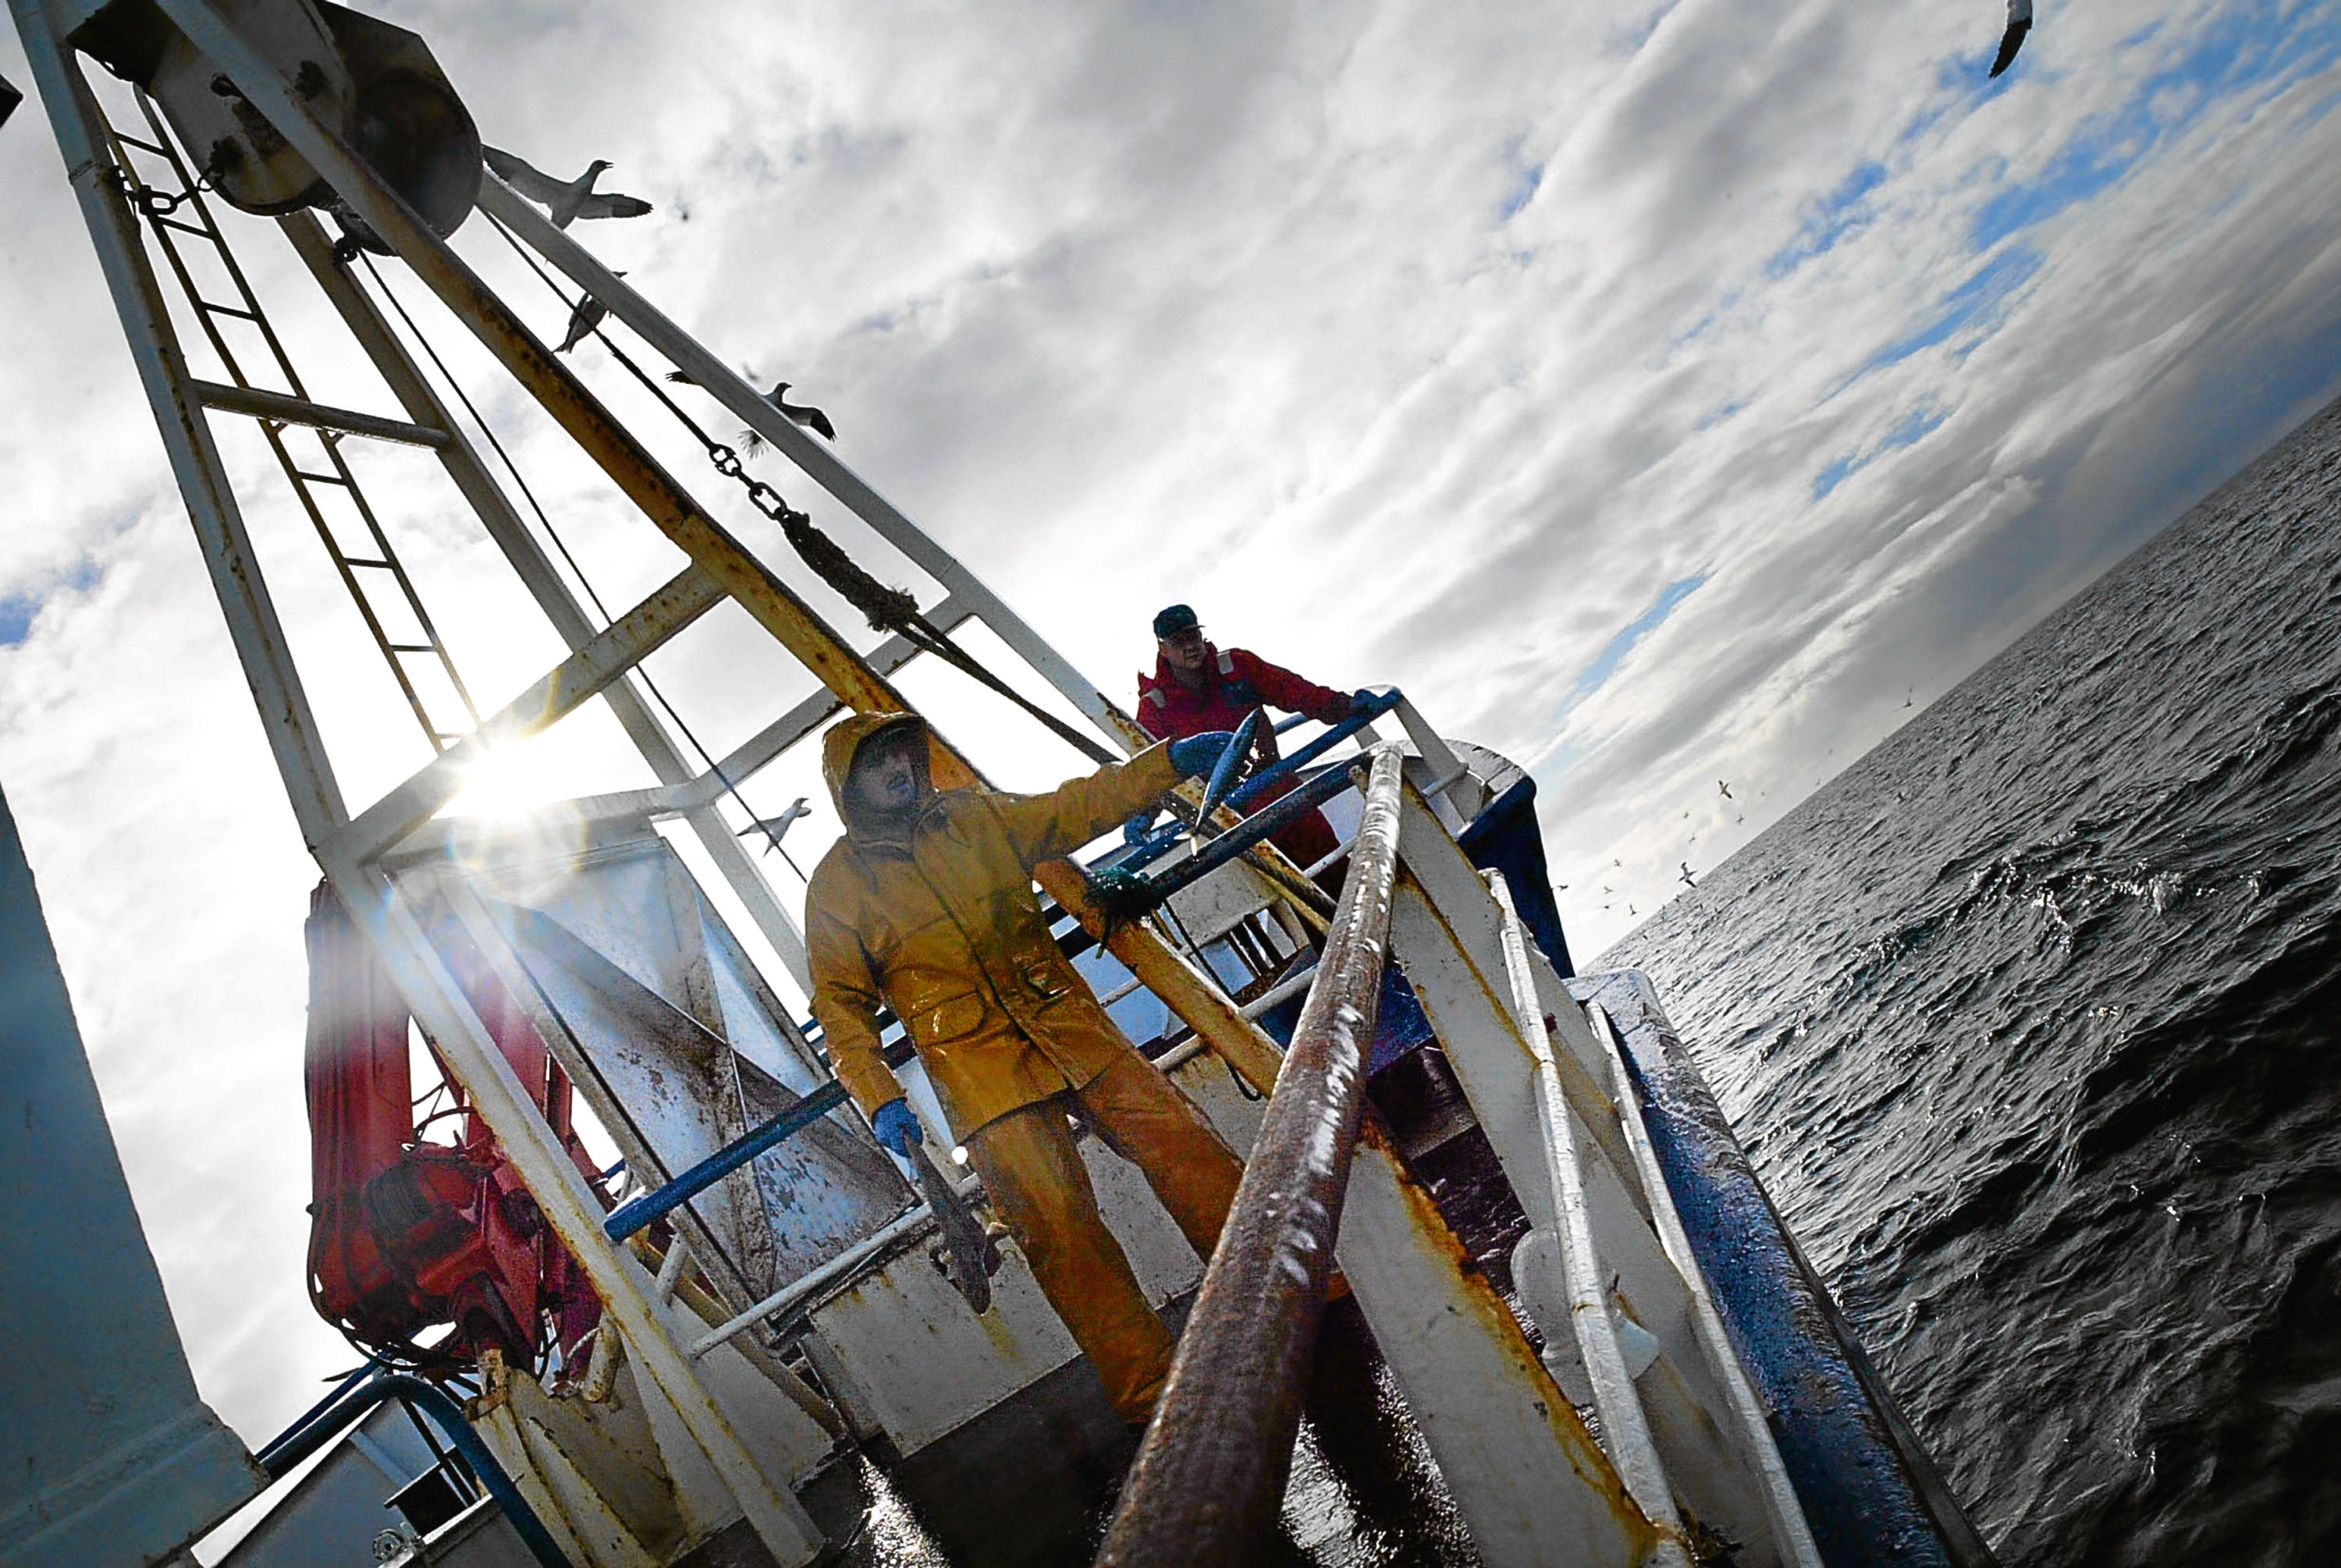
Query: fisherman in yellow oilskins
x=926 y=905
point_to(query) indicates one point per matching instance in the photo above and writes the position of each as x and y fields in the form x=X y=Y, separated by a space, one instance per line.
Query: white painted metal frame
x=1530 y=1061
x=1533 y=1483
x=1624 y=1426
x=814 y=457
x=1790 y=1530
x=649 y=733
x=346 y=849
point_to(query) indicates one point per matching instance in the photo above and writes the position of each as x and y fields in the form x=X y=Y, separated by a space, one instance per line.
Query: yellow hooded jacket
x=945 y=929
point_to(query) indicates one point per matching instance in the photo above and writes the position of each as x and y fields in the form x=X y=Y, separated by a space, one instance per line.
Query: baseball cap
x=1176 y=618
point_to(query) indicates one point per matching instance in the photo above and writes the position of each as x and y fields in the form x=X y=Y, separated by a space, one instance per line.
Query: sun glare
x=510 y=782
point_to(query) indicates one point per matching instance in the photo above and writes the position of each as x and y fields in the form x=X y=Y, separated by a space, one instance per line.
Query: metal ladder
x=279 y=412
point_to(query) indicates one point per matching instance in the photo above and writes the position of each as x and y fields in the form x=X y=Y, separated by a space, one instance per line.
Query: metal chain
x=545 y=522
x=893 y=609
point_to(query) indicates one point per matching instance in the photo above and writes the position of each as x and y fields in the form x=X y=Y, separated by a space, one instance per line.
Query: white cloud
x=1411 y=342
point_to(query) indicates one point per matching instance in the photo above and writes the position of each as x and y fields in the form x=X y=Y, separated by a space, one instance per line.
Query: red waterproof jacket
x=1235 y=683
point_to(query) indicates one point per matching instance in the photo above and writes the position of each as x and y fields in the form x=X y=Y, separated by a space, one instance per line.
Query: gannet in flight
x=569 y=200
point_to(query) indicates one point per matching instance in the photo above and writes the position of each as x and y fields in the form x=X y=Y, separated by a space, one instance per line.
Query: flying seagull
x=774 y=828
x=778 y=826
x=583 y=319
x=1720 y=784
x=570 y=200
x=805 y=414
x=2020 y=22
x=1686 y=876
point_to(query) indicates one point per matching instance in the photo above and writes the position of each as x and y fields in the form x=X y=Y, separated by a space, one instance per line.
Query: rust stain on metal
x=1479 y=1298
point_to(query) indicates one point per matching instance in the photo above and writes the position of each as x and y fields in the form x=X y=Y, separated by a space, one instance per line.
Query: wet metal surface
x=1030 y=1486
x=1219 y=1449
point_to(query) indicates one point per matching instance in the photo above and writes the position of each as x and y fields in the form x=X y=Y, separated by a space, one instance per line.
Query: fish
x=971 y=1256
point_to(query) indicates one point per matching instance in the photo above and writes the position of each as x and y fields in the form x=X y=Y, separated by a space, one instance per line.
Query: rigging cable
x=545 y=522
x=891 y=609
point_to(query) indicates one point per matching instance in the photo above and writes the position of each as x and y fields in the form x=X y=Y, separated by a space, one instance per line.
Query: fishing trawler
x=757 y=1336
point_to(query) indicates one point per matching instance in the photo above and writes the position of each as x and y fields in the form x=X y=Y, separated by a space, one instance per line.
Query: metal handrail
x=639 y=1213
x=1252 y=789
x=1271 y=819
x=845 y=1264
x=1210 y=1475
x=1625 y=1426
x=281 y=1457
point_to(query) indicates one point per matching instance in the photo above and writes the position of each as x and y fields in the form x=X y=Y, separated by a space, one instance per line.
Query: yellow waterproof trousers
x=1040 y=1188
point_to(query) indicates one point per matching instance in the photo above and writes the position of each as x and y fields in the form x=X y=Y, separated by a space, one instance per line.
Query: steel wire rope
x=886 y=609
x=415 y=330
x=576 y=571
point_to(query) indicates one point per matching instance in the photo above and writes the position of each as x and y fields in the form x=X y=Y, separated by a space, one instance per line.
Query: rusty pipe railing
x=1210 y=1475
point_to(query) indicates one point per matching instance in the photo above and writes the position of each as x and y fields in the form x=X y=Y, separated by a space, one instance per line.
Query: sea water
x=2029 y=1019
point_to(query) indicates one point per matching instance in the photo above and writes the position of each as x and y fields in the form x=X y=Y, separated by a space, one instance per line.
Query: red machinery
x=407 y=1234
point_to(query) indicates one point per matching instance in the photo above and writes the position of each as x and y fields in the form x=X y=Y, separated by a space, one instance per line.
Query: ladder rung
x=128 y=141
x=227 y=309
x=320 y=478
x=195 y=229
x=362 y=560
x=288 y=410
x=410 y=646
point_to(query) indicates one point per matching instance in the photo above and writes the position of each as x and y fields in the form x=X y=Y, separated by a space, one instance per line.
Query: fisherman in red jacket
x=1196 y=688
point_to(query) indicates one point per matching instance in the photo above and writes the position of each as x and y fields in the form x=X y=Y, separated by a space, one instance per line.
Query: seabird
x=2020 y=22
x=1686 y=876
x=582 y=319
x=805 y=414
x=774 y=827
x=1720 y=784
x=569 y=200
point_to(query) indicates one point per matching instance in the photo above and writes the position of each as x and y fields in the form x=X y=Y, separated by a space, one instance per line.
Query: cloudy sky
x=1663 y=394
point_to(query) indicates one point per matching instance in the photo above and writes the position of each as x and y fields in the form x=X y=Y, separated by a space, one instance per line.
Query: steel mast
x=273 y=86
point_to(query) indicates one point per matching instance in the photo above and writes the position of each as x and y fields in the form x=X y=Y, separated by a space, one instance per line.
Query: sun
x=509 y=783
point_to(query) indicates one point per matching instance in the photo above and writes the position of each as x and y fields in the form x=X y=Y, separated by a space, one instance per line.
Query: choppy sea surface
x=2030 y=1020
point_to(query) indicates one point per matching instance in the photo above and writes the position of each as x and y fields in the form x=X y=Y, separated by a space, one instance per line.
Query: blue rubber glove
x=897 y=1127
x=1135 y=831
x=1197 y=754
